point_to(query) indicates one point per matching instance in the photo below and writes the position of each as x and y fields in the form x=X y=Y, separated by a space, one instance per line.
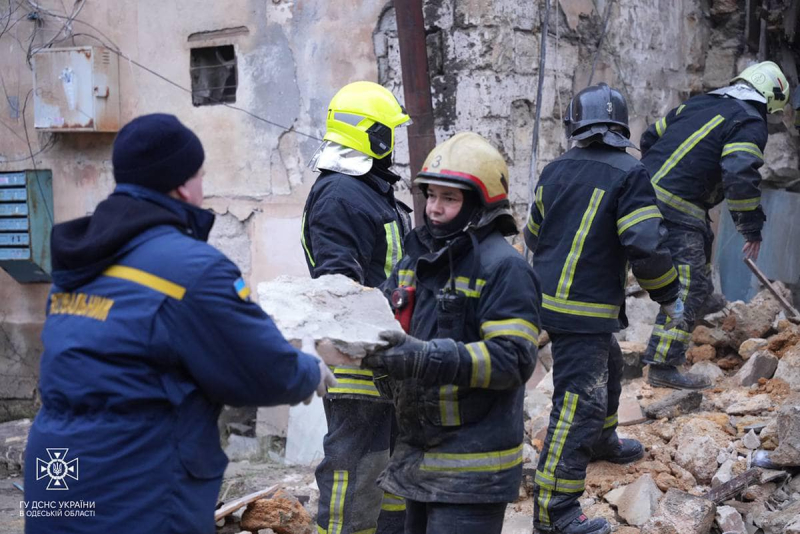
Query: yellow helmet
x=468 y=161
x=768 y=79
x=363 y=116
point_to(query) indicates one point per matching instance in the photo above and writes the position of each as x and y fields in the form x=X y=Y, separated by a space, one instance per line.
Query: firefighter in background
x=594 y=213
x=353 y=225
x=707 y=149
x=458 y=377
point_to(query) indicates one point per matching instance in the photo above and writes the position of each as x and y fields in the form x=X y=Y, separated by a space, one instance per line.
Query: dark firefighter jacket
x=352 y=225
x=149 y=331
x=462 y=442
x=594 y=213
x=708 y=148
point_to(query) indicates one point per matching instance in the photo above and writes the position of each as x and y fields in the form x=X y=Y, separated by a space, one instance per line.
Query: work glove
x=432 y=362
x=673 y=310
x=326 y=378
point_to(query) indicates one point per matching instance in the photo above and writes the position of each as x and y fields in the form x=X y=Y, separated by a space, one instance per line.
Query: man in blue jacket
x=149 y=331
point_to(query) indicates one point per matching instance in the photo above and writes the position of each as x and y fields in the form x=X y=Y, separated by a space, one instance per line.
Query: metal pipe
x=416 y=89
x=539 y=91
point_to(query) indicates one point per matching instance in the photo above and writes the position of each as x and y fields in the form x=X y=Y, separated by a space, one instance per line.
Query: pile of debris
x=704 y=469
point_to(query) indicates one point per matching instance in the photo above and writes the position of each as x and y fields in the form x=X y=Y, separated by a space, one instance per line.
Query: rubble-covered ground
x=697 y=475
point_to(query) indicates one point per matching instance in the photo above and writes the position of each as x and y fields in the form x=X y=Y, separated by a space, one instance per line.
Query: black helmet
x=598 y=104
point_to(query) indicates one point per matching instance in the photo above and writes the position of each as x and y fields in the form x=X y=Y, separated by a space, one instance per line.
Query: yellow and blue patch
x=242 y=289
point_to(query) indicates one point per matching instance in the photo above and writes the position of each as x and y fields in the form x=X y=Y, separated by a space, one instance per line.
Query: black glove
x=433 y=362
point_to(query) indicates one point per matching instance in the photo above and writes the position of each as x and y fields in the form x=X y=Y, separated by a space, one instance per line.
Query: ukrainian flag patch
x=241 y=289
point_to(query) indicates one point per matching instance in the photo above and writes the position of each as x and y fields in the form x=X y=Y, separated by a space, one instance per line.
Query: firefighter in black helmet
x=594 y=213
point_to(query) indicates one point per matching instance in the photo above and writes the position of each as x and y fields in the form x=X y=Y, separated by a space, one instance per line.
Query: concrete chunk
x=341 y=316
x=639 y=501
x=762 y=364
x=681 y=513
x=730 y=520
x=674 y=404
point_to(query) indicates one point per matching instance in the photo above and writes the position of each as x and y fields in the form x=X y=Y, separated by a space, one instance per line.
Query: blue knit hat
x=156 y=151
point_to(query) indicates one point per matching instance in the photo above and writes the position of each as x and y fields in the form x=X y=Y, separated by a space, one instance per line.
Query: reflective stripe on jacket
x=708 y=148
x=594 y=213
x=462 y=442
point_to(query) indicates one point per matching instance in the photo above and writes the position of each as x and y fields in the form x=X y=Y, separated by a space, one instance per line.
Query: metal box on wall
x=26 y=220
x=76 y=90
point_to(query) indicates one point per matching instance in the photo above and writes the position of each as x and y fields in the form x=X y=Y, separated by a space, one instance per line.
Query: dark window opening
x=214 y=76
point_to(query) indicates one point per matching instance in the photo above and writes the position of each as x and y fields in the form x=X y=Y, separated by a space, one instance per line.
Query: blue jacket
x=709 y=148
x=146 y=338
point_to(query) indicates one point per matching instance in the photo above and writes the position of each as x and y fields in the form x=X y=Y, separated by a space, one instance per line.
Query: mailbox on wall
x=26 y=219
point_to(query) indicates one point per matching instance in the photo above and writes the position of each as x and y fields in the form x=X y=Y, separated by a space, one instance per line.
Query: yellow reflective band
x=510 y=327
x=142 y=278
x=685 y=275
x=750 y=148
x=583 y=309
x=303 y=240
x=661 y=126
x=561 y=485
x=679 y=204
x=662 y=281
x=565 y=418
x=745 y=204
x=568 y=272
x=472 y=462
x=354 y=386
x=533 y=227
x=635 y=217
x=393 y=250
x=680 y=108
x=662 y=349
x=336 y=521
x=406 y=278
x=686 y=147
x=462 y=285
x=448 y=406
x=675 y=334
x=481 y=373
x=340 y=370
x=611 y=420
x=392 y=503
x=539 y=200
x=544 y=501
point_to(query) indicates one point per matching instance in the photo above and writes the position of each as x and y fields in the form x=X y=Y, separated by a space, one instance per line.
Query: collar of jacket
x=198 y=221
x=334 y=157
x=740 y=91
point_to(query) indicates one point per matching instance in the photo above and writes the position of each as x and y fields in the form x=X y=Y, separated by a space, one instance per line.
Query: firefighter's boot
x=668 y=376
x=619 y=451
x=582 y=525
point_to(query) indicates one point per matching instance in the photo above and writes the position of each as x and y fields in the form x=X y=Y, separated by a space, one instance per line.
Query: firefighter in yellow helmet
x=470 y=305
x=353 y=225
x=707 y=150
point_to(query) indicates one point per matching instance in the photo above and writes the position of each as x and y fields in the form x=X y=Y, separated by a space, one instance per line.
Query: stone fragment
x=751 y=441
x=641 y=314
x=698 y=455
x=750 y=405
x=789 y=368
x=708 y=370
x=243 y=448
x=343 y=317
x=704 y=335
x=788 y=425
x=283 y=513
x=665 y=481
x=639 y=501
x=614 y=496
x=777 y=522
x=13 y=437
x=674 y=404
x=701 y=353
x=632 y=358
x=794 y=527
x=724 y=474
x=752 y=320
x=681 y=513
x=762 y=364
x=537 y=403
x=729 y=362
x=784 y=340
x=575 y=9
x=750 y=346
x=546 y=385
x=630 y=412
x=730 y=520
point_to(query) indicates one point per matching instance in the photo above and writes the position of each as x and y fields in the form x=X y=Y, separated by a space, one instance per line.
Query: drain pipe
x=416 y=89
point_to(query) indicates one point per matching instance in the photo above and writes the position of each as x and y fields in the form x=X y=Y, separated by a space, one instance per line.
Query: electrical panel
x=26 y=220
x=76 y=90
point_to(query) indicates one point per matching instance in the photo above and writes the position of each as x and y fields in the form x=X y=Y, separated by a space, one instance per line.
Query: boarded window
x=214 y=76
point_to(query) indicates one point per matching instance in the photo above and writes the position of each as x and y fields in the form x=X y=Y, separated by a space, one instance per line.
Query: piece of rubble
x=283 y=513
x=681 y=513
x=674 y=404
x=751 y=441
x=724 y=474
x=707 y=370
x=750 y=346
x=761 y=364
x=730 y=520
x=630 y=412
x=784 y=340
x=729 y=362
x=752 y=320
x=343 y=317
x=793 y=527
x=777 y=522
x=701 y=353
x=243 y=448
x=759 y=492
x=715 y=337
x=788 y=423
x=698 y=455
x=613 y=497
x=546 y=385
x=750 y=405
x=13 y=437
x=632 y=358
x=639 y=501
x=789 y=368
x=665 y=481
